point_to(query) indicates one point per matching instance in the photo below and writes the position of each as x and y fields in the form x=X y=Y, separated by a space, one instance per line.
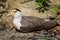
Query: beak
x=10 y=14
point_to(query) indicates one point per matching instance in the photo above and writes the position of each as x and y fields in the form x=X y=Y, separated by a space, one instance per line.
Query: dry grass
x=27 y=8
x=5 y=22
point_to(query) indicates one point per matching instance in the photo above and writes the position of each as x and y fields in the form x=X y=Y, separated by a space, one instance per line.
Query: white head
x=14 y=11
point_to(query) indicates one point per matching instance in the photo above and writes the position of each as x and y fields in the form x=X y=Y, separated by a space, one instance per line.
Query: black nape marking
x=16 y=9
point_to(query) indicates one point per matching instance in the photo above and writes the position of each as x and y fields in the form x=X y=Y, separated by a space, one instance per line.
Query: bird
x=30 y=23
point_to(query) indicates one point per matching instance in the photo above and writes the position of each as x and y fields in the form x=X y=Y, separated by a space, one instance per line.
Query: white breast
x=17 y=20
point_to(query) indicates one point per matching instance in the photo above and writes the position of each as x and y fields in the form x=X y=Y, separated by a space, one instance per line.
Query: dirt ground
x=38 y=35
x=28 y=9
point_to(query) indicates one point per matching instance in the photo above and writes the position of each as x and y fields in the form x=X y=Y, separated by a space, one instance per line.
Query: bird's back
x=34 y=23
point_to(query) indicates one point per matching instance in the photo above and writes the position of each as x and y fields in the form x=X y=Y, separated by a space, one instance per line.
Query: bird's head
x=13 y=11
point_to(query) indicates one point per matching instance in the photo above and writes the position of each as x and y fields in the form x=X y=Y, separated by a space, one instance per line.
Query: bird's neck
x=17 y=20
x=18 y=16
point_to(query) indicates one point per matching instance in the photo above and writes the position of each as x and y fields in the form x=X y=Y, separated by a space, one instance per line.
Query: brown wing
x=34 y=23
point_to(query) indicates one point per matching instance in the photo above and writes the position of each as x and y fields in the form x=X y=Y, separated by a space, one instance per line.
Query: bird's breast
x=17 y=22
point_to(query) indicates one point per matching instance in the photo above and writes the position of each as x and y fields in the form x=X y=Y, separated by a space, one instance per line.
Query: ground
x=28 y=9
x=11 y=35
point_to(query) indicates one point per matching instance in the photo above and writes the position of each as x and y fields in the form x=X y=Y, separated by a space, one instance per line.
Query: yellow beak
x=11 y=14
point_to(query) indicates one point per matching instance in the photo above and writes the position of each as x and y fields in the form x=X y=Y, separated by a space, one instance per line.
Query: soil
x=28 y=9
x=11 y=35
